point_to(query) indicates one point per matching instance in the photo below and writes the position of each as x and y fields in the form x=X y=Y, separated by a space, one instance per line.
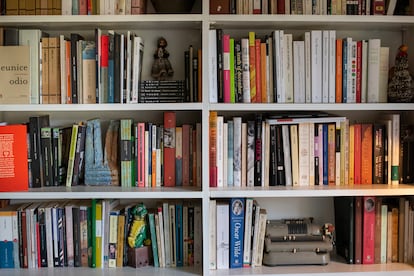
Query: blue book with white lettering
x=236 y=232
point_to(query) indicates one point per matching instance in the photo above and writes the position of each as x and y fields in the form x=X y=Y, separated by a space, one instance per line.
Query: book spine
x=223 y=238
x=368 y=230
x=226 y=68
x=169 y=148
x=237 y=206
x=252 y=66
x=245 y=60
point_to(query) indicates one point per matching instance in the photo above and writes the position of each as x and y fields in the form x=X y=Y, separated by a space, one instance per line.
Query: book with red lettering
x=13 y=158
x=169 y=148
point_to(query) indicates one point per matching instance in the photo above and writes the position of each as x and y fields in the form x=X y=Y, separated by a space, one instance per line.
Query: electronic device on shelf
x=297 y=242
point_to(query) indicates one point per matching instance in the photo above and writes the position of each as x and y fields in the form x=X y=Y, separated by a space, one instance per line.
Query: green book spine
x=151 y=219
x=92 y=234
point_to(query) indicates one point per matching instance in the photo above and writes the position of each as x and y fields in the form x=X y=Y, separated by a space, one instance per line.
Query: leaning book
x=13 y=158
x=14 y=75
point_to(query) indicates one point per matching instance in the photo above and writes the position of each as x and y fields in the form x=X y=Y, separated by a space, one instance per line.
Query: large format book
x=368 y=233
x=236 y=232
x=344 y=227
x=35 y=125
x=32 y=38
x=223 y=238
x=88 y=72
x=169 y=148
x=16 y=80
x=14 y=174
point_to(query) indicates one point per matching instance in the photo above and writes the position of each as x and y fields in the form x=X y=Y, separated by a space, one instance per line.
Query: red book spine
x=169 y=149
x=338 y=94
x=368 y=230
x=104 y=50
x=357 y=154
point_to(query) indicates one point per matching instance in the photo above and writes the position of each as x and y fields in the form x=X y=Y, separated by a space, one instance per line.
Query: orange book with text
x=338 y=77
x=252 y=66
x=169 y=149
x=357 y=154
x=212 y=148
x=14 y=174
x=257 y=47
x=366 y=153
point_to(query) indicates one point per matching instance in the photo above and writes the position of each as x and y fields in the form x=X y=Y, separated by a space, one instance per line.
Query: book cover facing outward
x=14 y=75
x=13 y=158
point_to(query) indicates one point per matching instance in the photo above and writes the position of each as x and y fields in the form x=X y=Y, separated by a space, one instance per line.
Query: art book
x=13 y=158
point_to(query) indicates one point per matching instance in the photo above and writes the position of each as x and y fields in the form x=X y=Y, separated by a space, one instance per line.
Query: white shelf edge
x=331 y=269
x=99 y=107
x=311 y=106
x=313 y=191
x=100 y=192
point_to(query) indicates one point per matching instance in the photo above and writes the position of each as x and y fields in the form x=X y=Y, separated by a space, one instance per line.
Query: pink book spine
x=226 y=68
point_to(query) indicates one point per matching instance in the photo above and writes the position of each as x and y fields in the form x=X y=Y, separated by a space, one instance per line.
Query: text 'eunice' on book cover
x=13 y=158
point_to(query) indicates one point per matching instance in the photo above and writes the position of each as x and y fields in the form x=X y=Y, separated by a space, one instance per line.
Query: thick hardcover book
x=46 y=151
x=14 y=175
x=344 y=227
x=358 y=220
x=236 y=232
x=35 y=125
x=74 y=38
x=169 y=148
x=368 y=230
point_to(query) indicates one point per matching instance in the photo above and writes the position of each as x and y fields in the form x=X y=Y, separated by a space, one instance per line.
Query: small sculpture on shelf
x=400 y=86
x=161 y=68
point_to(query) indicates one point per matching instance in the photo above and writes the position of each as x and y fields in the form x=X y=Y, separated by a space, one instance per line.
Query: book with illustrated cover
x=14 y=175
x=236 y=232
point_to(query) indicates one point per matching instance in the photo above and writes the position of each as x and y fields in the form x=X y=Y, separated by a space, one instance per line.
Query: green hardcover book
x=151 y=219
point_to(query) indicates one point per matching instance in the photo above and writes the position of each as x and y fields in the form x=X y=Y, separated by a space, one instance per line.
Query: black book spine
x=280 y=156
x=80 y=148
x=187 y=75
x=56 y=147
x=195 y=79
x=74 y=38
x=42 y=236
x=220 y=90
x=76 y=237
x=273 y=160
x=35 y=125
x=117 y=68
x=46 y=152
x=258 y=151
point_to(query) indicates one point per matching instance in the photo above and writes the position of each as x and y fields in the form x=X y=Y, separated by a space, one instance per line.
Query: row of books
x=71 y=7
x=106 y=69
x=237 y=232
x=373 y=229
x=134 y=154
x=320 y=7
x=97 y=233
x=276 y=68
x=325 y=150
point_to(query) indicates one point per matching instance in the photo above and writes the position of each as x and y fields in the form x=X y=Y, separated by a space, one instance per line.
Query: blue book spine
x=236 y=232
x=179 y=234
x=230 y=153
x=325 y=154
x=6 y=254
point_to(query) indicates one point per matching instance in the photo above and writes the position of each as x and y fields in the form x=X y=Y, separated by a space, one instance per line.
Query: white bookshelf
x=181 y=31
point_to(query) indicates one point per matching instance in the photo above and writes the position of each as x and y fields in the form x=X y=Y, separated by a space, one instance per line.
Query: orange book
x=257 y=47
x=338 y=81
x=252 y=66
x=366 y=153
x=212 y=148
x=263 y=63
x=357 y=154
x=169 y=149
x=14 y=175
x=54 y=70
